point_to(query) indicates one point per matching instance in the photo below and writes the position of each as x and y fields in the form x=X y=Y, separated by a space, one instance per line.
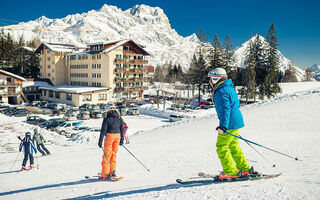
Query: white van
x=67 y=126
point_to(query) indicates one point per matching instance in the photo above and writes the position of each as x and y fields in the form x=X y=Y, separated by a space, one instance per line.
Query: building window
x=69 y=97
x=48 y=66
x=53 y=78
x=93 y=57
x=99 y=56
x=48 y=50
x=40 y=74
x=93 y=84
x=50 y=93
x=98 y=84
x=98 y=66
x=94 y=75
x=102 y=96
x=52 y=70
x=52 y=62
x=44 y=92
x=86 y=97
x=93 y=66
x=49 y=74
x=126 y=48
x=48 y=58
x=57 y=95
x=99 y=75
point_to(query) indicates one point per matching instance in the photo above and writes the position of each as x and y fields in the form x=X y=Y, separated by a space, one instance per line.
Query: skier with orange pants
x=113 y=132
x=227 y=103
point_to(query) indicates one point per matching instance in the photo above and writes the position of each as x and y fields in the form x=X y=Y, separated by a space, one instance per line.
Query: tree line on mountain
x=17 y=59
x=260 y=75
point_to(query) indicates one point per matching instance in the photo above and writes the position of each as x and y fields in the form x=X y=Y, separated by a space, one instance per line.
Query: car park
x=69 y=117
x=133 y=111
x=83 y=115
x=35 y=120
x=97 y=114
x=56 y=112
x=174 y=118
x=123 y=110
x=65 y=127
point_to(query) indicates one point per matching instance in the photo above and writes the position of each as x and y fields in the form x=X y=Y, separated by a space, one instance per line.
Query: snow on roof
x=35 y=83
x=118 y=44
x=103 y=42
x=60 y=47
x=73 y=89
x=13 y=75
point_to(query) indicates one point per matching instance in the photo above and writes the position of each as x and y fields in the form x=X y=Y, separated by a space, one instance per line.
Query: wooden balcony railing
x=130 y=61
x=122 y=89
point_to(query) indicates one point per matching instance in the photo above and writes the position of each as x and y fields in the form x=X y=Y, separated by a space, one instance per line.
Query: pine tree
x=271 y=85
x=290 y=74
x=230 y=60
x=308 y=74
x=216 y=55
x=249 y=72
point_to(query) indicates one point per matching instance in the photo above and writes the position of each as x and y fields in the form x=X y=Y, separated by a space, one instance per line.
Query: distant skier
x=125 y=126
x=230 y=120
x=39 y=141
x=29 y=149
x=113 y=132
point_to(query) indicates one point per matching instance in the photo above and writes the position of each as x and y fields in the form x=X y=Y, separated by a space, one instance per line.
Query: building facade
x=11 y=88
x=116 y=66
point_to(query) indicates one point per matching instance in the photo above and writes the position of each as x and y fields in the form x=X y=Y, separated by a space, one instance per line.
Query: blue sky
x=296 y=21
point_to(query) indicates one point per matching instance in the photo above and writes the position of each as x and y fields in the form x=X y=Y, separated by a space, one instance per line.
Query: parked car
x=95 y=130
x=35 y=120
x=56 y=112
x=83 y=115
x=123 y=110
x=174 y=118
x=97 y=115
x=65 y=127
x=133 y=111
x=69 y=117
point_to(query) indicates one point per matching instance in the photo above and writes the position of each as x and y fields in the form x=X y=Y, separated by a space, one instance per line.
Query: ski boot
x=222 y=176
x=23 y=168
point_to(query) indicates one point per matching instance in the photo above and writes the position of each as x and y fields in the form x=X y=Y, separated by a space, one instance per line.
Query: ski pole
x=15 y=161
x=273 y=165
x=262 y=146
x=136 y=158
x=107 y=159
x=37 y=161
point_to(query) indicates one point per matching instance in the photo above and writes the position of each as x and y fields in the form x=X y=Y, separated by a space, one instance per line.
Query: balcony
x=137 y=70
x=131 y=80
x=130 y=61
x=131 y=89
x=120 y=70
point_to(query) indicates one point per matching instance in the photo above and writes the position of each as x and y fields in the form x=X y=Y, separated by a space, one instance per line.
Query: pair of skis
x=208 y=178
x=97 y=178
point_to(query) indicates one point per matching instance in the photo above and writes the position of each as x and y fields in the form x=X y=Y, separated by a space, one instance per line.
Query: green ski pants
x=229 y=152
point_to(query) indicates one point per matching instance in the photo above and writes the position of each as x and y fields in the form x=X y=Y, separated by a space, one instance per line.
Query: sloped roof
x=13 y=75
x=56 y=47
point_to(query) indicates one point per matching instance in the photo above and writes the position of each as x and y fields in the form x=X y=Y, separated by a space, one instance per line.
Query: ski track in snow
x=288 y=123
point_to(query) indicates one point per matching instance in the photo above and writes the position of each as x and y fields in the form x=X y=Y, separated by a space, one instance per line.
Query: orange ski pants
x=111 y=145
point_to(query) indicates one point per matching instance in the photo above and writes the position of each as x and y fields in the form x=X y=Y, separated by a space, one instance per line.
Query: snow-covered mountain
x=316 y=70
x=148 y=26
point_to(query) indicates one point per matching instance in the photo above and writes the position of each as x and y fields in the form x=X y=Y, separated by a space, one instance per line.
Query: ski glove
x=224 y=129
x=121 y=142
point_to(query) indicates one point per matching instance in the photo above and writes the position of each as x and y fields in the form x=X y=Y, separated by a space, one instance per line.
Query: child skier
x=29 y=149
x=227 y=103
x=39 y=141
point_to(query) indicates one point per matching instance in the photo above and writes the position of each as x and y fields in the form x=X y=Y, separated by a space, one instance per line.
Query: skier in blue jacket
x=29 y=149
x=230 y=118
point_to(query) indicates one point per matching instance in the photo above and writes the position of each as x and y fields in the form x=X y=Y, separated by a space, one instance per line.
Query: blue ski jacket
x=227 y=106
x=28 y=146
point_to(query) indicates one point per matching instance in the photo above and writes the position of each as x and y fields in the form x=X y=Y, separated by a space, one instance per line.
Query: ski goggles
x=215 y=79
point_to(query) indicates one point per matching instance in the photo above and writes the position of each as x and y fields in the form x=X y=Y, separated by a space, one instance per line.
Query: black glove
x=121 y=142
x=100 y=144
x=222 y=128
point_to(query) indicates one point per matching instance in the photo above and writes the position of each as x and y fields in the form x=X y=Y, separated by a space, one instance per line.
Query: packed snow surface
x=288 y=123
